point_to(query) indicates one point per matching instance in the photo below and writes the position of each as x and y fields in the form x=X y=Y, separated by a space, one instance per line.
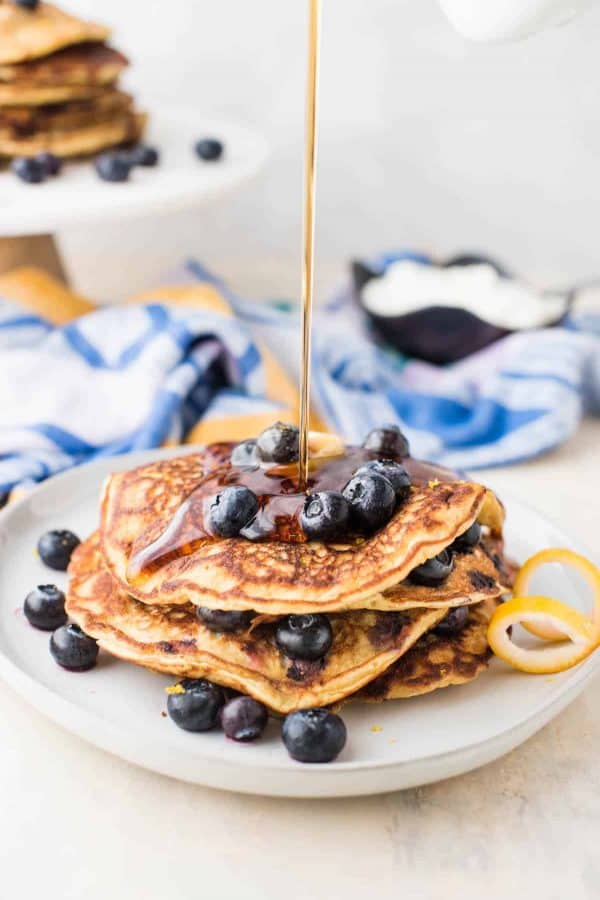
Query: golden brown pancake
x=170 y=639
x=41 y=95
x=84 y=64
x=436 y=661
x=28 y=34
x=120 y=128
x=26 y=120
x=277 y=577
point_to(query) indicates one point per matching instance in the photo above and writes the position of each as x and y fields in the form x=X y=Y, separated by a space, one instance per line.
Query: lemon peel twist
x=547 y=618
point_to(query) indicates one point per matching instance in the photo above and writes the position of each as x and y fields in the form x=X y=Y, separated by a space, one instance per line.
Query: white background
x=426 y=140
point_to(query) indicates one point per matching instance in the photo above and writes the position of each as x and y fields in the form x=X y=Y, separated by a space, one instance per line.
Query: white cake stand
x=30 y=214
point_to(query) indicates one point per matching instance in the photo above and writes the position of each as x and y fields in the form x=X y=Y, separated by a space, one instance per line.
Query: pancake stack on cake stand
x=59 y=93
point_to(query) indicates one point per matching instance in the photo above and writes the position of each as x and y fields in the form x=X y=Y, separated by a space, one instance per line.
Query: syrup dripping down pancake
x=170 y=639
x=276 y=577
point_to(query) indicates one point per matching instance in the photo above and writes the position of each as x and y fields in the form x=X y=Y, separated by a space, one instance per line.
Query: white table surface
x=79 y=824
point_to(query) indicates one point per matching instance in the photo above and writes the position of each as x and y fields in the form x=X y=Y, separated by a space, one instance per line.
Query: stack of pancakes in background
x=58 y=85
x=388 y=635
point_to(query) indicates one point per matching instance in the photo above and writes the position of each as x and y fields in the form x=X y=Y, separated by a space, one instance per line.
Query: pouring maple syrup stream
x=280 y=497
x=308 y=256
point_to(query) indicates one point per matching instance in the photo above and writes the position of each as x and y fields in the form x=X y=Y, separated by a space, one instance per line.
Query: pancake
x=84 y=64
x=476 y=577
x=276 y=577
x=28 y=34
x=170 y=639
x=120 y=128
x=26 y=120
x=40 y=95
x=437 y=662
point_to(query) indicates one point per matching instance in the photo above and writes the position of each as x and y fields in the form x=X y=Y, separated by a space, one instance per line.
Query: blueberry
x=50 y=163
x=434 y=571
x=28 y=169
x=28 y=4
x=222 y=620
x=73 y=649
x=394 y=472
x=143 y=155
x=230 y=510
x=113 y=167
x=209 y=149
x=325 y=516
x=197 y=706
x=44 y=607
x=313 y=735
x=244 y=718
x=372 y=500
x=468 y=539
x=387 y=441
x=454 y=622
x=280 y=443
x=304 y=637
x=245 y=455
x=55 y=548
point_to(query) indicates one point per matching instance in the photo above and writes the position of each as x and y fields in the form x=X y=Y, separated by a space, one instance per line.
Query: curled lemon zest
x=577 y=634
x=547 y=630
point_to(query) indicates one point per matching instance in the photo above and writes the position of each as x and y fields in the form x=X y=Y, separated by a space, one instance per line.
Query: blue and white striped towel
x=132 y=377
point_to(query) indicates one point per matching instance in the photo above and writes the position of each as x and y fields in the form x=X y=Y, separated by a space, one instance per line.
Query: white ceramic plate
x=181 y=180
x=118 y=706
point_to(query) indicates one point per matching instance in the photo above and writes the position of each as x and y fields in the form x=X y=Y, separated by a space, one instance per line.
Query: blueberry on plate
x=50 y=163
x=372 y=500
x=313 y=735
x=395 y=473
x=230 y=510
x=223 y=620
x=304 y=637
x=44 y=607
x=388 y=441
x=55 y=548
x=209 y=149
x=73 y=649
x=194 y=704
x=279 y=444
x=434 y=571
x=143 y=155
x=244 y=719
x=454 y=622
x=28 y=4
x=28 y=169
x=325 y=516
x=113 y=166
x=468 y=539
x=245 y=455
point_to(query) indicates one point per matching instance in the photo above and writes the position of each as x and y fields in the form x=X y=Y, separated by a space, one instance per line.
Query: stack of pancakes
x=58 y=85
x=384 y=641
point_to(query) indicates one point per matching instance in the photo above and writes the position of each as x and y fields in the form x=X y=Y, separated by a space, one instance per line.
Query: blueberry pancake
x=157 y=542
x=59 y=91
x=83 y=64
x=111 y=130
x=266 y=657
x=440 y=658
x=26 y=34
